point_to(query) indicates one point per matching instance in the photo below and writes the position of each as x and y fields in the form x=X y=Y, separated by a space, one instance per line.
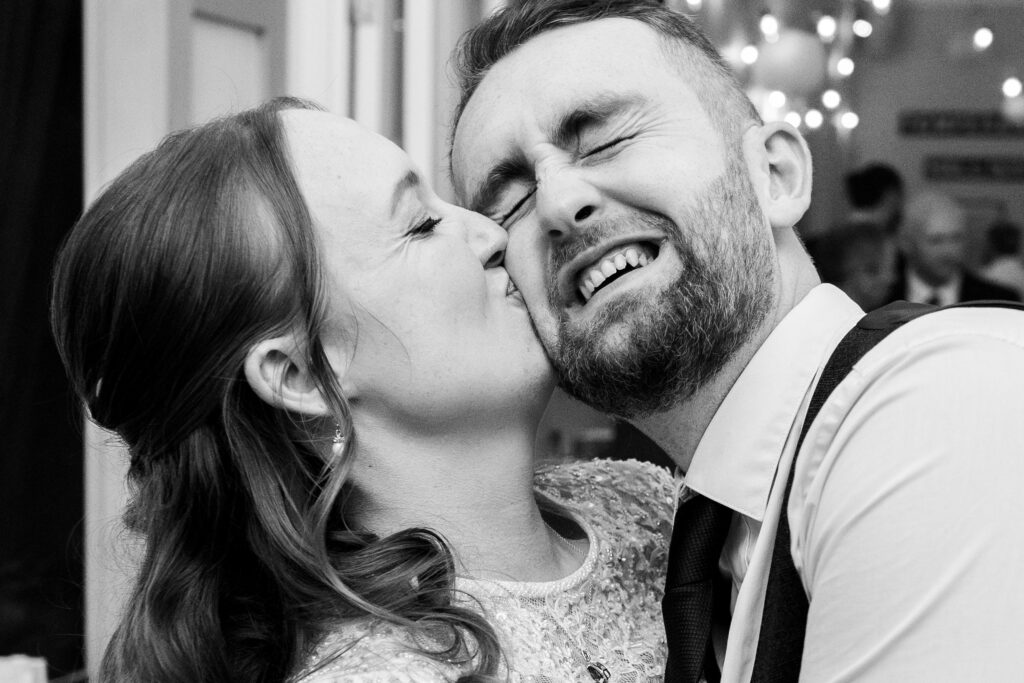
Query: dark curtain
x=41 y=486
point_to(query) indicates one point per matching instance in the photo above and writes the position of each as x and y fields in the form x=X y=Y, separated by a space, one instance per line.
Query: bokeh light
x=862 y=28
x=983 y=39
x=827 y=27
x=831 y=99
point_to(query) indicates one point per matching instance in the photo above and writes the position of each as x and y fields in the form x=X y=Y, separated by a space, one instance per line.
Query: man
x=650 y=215
x=859 y=258
x=932 y=240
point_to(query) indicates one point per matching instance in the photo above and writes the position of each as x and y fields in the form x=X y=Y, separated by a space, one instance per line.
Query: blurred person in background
x=859 y=258
x=1003 y=264
x=330 y=392
x=875 y=194
x=932 y=242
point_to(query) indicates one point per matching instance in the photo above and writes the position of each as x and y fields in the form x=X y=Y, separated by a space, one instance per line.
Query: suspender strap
x=784 y=622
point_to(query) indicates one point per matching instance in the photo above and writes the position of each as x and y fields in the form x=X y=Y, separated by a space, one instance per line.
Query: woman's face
x=424 y=326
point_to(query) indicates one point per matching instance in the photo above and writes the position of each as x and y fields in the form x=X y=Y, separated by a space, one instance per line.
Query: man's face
x=937 y=250
x=634 y=234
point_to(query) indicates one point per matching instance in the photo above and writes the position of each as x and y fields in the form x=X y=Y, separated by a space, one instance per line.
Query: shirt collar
x=737 y=457
x=921 y=292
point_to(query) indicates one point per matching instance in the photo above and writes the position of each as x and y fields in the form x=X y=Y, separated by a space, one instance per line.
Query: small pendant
x=599 y=672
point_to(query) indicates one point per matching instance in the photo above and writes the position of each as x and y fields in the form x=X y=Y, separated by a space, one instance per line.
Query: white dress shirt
x=920 y=292
x=907 y=509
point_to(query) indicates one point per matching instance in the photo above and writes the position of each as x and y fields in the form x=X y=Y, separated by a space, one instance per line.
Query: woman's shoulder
x=587 y=481
x=617 y=495
x=373 y=652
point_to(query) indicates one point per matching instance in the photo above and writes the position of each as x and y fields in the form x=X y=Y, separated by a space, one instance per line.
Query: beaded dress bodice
x=602 y=622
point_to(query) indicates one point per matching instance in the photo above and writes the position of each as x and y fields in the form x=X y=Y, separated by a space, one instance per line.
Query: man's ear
x=278 y=374
x=780 y=166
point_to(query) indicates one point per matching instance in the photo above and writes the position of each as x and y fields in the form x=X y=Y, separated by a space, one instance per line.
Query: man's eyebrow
x=514 y=167
x=593 y=110
x=409 y=181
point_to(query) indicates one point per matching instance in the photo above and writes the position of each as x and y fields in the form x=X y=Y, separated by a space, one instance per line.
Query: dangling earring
x=338 y=442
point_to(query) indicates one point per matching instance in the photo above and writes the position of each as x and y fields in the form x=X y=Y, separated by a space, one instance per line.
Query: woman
x=330 y=391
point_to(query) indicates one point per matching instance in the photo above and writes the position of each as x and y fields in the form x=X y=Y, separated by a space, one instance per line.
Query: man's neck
x=679 y=429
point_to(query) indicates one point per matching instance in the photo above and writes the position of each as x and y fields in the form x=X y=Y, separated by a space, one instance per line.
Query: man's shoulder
x=956 y=326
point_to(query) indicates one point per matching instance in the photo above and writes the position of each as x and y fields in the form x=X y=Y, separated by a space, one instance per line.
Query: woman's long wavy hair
x=198 y=251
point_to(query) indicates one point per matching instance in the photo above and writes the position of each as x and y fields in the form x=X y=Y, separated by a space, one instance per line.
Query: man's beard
x=648 y=350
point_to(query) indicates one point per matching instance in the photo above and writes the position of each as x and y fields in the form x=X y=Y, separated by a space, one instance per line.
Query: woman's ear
x=780 y=165
x=278 y=374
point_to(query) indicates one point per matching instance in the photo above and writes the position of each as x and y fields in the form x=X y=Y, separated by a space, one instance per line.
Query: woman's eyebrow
x=409 y=181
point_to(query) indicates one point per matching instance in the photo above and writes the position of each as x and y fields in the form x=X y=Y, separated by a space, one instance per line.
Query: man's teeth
x=613 y=262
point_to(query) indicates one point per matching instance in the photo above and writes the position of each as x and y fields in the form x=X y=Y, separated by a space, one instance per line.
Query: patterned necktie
x=698 y=536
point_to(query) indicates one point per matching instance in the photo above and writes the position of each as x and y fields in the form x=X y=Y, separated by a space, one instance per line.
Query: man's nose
x=566 y=201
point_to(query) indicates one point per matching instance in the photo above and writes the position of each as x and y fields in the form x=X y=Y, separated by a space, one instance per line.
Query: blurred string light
x=862 y=28
x=1012 y=87
x=827 y=28
x=769 y=27
x=983 y=39
x=796 y=64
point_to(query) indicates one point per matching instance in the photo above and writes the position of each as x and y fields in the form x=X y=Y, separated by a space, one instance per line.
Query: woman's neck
x=475 y=489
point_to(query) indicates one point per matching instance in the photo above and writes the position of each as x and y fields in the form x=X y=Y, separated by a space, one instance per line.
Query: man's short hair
x=866 y=186
x=716 y=86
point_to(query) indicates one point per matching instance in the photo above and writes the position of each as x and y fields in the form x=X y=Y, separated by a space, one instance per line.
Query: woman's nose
x=487 y=239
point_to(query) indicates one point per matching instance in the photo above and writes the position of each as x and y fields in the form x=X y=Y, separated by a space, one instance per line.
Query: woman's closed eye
x=424 y=227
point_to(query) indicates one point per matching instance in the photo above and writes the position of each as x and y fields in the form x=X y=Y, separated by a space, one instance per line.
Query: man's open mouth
x=612 y=265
